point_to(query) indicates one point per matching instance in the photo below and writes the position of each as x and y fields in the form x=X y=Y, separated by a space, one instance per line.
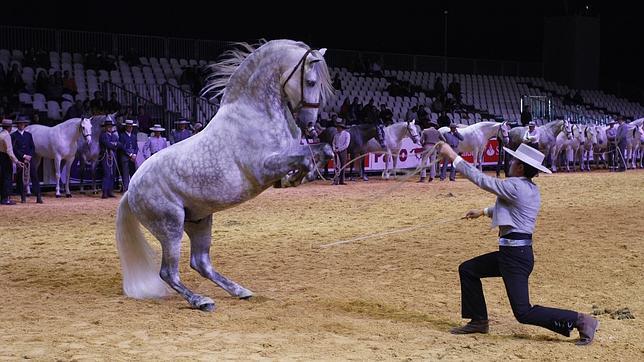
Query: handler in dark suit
x=109 y=141
x=24 y=149
x=128 y=148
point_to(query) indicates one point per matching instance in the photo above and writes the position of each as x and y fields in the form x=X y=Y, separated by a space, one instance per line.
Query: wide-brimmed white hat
x=529 y=155
x=130 y=122
x=157 y=128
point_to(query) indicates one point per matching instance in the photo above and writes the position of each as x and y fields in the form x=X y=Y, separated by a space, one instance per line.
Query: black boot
x=587 y=326
x=39 y=199
x=472 y=326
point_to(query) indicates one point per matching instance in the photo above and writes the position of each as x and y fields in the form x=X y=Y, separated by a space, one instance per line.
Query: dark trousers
x=6 y=173
x=514 y=264
x=342 y=158
x=108 y=164
x=611 y=155
x=35 y=183
x=127 y=169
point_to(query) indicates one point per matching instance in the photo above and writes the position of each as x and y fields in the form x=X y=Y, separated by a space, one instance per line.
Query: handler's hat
x=182 y=121
x=529 y=155
x=612 y=121
x=452 y=125
x=7 y=122
x=532 y=124
x=157 y=128
x=129 y=122
x=340 y=123
x=108 y=122
x=23 y=119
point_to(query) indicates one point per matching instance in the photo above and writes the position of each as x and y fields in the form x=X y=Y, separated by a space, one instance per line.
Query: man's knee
x=466 y=268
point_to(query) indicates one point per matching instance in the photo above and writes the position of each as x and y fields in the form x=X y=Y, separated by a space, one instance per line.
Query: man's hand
x=20 y=164
x=27 y=158
x=473 y=214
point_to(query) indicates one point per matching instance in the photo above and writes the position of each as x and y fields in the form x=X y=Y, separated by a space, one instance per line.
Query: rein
x=302 y=103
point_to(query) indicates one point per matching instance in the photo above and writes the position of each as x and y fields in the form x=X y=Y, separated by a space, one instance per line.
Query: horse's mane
x=220 y=73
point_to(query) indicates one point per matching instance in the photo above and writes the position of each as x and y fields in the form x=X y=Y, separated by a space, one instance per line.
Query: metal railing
x=15 y=37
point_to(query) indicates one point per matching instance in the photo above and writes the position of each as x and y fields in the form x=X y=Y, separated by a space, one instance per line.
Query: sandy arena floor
x=382 y=298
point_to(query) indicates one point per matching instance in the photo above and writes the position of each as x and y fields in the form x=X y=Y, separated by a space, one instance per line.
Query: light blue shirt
x=517 y=203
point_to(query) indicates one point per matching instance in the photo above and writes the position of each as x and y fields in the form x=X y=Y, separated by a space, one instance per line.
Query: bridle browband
x=302 y=103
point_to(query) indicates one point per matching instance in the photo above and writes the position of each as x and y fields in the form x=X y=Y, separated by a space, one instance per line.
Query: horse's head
x=566 y=128
x=380 y=135
x=85 y=128
x=412 y=130
x=306 y=83
x=504 y=133
x=590 y=133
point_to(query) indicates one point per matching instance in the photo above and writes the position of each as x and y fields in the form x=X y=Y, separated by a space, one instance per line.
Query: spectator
x=42 y=82
x=69 y=84
x=386 y=115
x=454 y=88
x=443 y=120
x=15 y=84
x=98 y=105
x=526 y=115
x=439 y=88
x=55 y=88
x=113 y=105
x=144 y=120
x=75 y=111
x=337 y=83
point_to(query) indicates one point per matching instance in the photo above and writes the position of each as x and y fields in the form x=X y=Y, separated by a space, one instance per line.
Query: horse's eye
x=310 y=83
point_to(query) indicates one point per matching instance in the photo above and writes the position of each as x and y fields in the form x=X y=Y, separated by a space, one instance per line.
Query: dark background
x=503 y=30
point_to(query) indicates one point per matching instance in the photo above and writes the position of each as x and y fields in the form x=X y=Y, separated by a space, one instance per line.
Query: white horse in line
x=590 y=144
x=394 y=135
x=476 y=137
x=569 y=141
x=634 y=144
x=252 y=142
x=60 y=143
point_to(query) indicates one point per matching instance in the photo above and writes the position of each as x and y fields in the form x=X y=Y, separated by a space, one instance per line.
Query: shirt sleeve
x=505 y=189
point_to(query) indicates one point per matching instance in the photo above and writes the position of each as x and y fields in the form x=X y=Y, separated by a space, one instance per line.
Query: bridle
x=82 y=130
x=414 y=137
x=302 y=103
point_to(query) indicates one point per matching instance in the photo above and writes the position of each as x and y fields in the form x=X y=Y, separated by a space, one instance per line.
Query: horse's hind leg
x=200 y=234
x=169 y=230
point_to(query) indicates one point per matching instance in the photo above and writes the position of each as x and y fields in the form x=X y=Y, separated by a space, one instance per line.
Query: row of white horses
x=579 y=143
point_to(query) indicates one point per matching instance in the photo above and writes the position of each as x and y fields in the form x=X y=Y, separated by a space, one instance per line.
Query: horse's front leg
x=57 y=161
x=200 y=234
x=68 y=171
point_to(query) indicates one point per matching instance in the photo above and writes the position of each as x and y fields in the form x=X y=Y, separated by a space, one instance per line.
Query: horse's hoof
x=205 y=304
x=208 y=307
x=58 y=196
x=68 y=195
x=245 y=294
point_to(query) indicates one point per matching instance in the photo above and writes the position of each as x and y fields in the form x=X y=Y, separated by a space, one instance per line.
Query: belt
x=515 y=239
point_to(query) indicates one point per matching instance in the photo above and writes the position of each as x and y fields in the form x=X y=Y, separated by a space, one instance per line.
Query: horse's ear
x=413 y=121
x=322 y=51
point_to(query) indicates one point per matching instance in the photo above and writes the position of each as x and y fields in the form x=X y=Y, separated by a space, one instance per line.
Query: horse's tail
x=139 y=262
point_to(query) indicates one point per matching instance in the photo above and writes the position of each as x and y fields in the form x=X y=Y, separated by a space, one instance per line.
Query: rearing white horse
x=60 y=143
x=252 y=142
x=394 y=135
x=476 y=137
